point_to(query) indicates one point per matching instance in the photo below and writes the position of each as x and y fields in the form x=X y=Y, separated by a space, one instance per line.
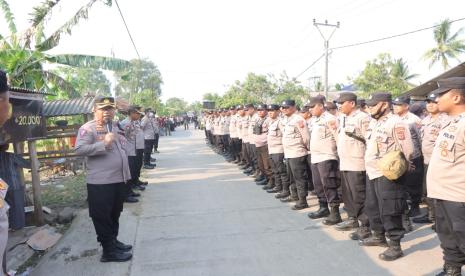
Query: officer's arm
x=332 y=126
x=144 y=122
x=402 y=136
x=303 y=129
x=85 y=144
x=364 y=125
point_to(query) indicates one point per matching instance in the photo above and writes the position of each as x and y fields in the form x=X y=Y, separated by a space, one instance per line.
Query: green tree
x=213 y=97
x=401 y=71
x=141 y=75
x=25 y=56
x=287 y=88
x=85 y=81
x=176 y=106
x=258 y=87
x=448 y=45
x=382 y=74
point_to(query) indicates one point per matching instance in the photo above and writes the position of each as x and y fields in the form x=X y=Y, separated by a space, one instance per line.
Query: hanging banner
x=26 y=120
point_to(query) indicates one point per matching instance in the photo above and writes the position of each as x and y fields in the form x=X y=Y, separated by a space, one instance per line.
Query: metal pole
x=326 y=68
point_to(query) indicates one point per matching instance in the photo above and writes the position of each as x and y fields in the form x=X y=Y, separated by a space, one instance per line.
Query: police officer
x=307 y=115
x=352 y=130
x=148 y=127
x=430 y=127
x=324 y=162
x=253 y=118
x=4 y=110
x=414 y=178
x=276 y=149
x=224 y=125
x=244 y=121
x=261 y=144
x=445 y=178
x=385 y=198
x=107 y=174
x=131 y=129
x=240 y=157
x=233 y=136
x=295 y=143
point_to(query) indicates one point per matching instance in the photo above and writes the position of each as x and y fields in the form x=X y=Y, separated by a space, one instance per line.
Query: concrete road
x=201 y=216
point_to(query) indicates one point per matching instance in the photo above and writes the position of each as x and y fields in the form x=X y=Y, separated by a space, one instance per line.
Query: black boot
x=112 y=254
x=334 y=216
x=423 y=219
x=131 y=199
x=289 y=199
x=302 y=204
x=282 y=195
x=376 y=239
x=450 y=270
x=414 y=210
x=121 y=246
x=275 y=190
x=394 y=251
x=263 y=182
x=406 y=223
x=361 y=233
x=349 y=224
x=320 y=213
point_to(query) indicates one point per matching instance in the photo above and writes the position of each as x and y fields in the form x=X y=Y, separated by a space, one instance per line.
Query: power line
x=127 y=29
x=392 y=36
x=311 y=65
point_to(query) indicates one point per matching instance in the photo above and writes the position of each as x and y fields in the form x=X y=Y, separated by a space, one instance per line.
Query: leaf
x=54 y=39
x=40 y=12
x=95 y=62
x=8 y=16
x=61 y=83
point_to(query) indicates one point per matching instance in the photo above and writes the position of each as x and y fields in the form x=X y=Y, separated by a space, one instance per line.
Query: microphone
x=109 y=125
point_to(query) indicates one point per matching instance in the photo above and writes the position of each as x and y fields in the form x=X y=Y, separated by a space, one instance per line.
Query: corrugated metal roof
x=78 y=106
x=424 y=89
x=27 y=91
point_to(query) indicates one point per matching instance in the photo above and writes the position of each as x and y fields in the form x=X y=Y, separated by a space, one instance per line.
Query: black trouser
x=298 y=168
x=289 y=187
x=253 y=155
x=263 y=161
x=385 y=204
x=354 y=194
x=325 y=181
x=414 y=181
x=246 y=155
x=233 y=148
x=148 y=150
x=155 y=142
x=450 y=226
x=139 y=160
x=105 y=206
x=209 y=137
x=226 y=145
x=429 y=201
x=132 y=160
x=309 y=173
x=280 y=175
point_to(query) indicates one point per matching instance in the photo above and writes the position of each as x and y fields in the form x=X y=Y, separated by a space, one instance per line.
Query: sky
x=205 y=45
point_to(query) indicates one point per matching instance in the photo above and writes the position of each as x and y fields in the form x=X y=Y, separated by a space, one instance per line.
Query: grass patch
x=70 y=192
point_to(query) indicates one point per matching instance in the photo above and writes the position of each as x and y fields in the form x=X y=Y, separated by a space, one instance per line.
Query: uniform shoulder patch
x=301 y=124
x=332 y=124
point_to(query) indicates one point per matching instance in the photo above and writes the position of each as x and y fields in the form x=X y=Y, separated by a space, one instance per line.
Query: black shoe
x=394 y=252
x=139 y=187
x=450 y=270
x=114 y=255
x=274 y=190
x=263 y=182
x=149 y=167
x=145 y=183
x=268 y=187
x=123 y=247
x=131 y=199
x=423 y=219
x=134 y=194
x=349 y=224
x=289 y=199
x=299 y=206
x=361 y=233
x=377 y=239
x=322 y=212
x=153 y=159
x=282 y=195
x=334 y=216
x=259 y=178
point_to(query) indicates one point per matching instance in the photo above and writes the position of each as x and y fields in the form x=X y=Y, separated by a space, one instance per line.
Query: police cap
x=305 y=109
x=3 y=82
x=247 y=106
x=232 y=108
x=261 y=107
x=346 y=97
x=316 y=100
x=431 y=98
x=239 y=107
x=134 y=109
x=104 y=101
x=444 y=85
x=401 y=100
x=361 y=102
x=330 y=105
x=378 y=97
x=288 y=103
x=272 y=107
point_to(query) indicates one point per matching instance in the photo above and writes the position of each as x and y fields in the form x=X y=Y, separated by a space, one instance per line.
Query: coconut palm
x=24 y=55
x=400 y=71
x=447 y=45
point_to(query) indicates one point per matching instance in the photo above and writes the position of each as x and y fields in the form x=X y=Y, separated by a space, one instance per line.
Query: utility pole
x=325 y=24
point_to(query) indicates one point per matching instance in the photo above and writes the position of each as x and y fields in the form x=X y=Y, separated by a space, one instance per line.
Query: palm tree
x=24 y=55
x=447 y=45
x=400 y=71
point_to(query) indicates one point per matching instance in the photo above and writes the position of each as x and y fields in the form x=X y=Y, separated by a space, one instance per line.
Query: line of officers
x=340 y=156
x=115 y=153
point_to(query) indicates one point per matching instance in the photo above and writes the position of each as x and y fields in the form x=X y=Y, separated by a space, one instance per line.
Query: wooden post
x=19 y=149
x=38 y=214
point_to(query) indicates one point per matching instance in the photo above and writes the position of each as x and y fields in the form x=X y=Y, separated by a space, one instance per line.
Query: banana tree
x=25 y=55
